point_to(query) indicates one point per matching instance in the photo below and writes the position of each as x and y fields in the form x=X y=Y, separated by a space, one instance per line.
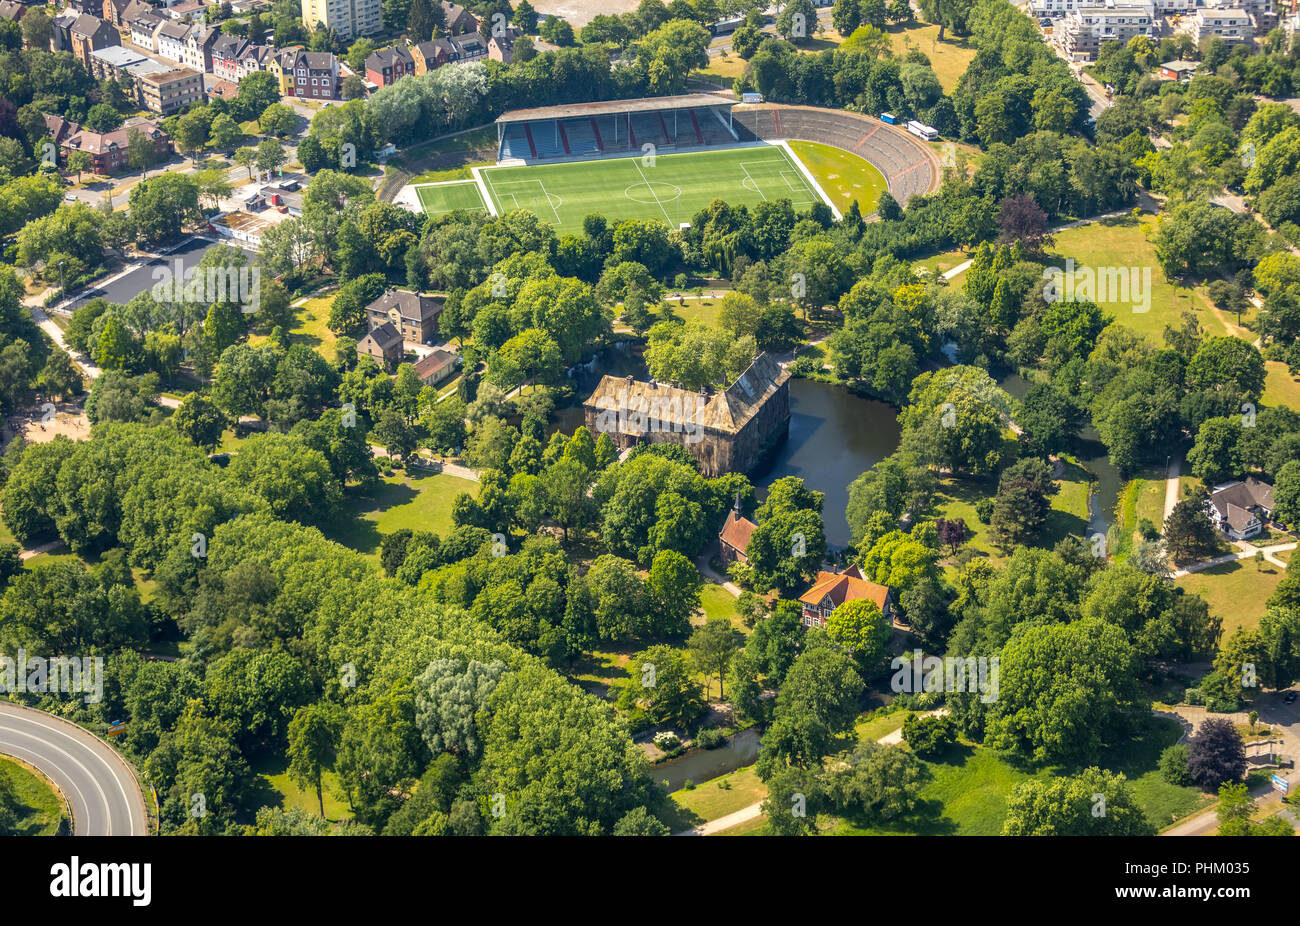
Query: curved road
x=98 y=784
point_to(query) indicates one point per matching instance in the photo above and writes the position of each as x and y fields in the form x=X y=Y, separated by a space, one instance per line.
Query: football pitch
x=668 y=187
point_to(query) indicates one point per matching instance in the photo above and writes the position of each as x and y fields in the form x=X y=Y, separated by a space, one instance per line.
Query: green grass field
x=673 y=187
x=1236 y=591
x=843 y=176
x=40 y=809
x=449 y=196
x=417 y=501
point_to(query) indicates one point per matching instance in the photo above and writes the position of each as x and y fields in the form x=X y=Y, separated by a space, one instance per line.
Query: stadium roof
x=618 y=107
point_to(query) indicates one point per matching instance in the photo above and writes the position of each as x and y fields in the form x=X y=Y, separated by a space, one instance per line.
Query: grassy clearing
x=1280 y=387
x=873 y=728
x=1123 y=242
x=948 y=58
x=717 y=797
x=704 y=311
x=274 y=775
x=844 y=177
x=942 y=263
x=415 y=501
x=40 y=809
x=716 y=601
x=1235 y=591
x=310 y=326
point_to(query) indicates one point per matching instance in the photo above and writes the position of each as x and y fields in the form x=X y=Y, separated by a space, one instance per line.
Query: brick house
x=733 y=539
x=388 y=65
x=436 y=366
x=457 y=19
x=108 y=150
x=413 y=315
x=196 y=51
x=90 y=33
x=833 y=589
x=307 y=74
x=384 y=344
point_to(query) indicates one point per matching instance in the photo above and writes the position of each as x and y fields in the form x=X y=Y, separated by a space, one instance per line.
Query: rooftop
x=618 y=107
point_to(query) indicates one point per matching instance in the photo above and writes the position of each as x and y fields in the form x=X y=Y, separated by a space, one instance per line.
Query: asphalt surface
x=122 y=289
x=98 y=784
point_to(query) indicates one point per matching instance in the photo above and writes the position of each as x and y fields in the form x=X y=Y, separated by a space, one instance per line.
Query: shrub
x=667 y=741
x=929 y=735
x=984 y=510
x=1173 y=765
x=711 y=738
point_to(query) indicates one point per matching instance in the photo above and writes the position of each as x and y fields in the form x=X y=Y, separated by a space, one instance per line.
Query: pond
x=835 y=436
x=699 y=765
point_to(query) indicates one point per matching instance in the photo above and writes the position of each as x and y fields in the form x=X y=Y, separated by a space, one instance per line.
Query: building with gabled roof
x=731 y=430
x=733 y=539
x=414 y=315
x=1239 y=509
x=384 y=344
x=832 y=589
x=388 y=65
x=436 y=366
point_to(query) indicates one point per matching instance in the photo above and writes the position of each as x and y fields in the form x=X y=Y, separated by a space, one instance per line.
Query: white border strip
x=483 y=190
x=812 y=181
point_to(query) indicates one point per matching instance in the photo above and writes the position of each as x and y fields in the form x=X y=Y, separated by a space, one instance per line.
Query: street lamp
x=63 y=277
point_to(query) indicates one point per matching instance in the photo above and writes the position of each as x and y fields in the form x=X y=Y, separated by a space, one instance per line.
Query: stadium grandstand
x=617 y=127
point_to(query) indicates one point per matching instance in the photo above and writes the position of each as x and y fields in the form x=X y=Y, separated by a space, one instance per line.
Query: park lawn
x=716 y=601
x=873 y=728
x=724 y=70
x=1280 y=387
x=843 y=176
x=1122 y=242
x=948 y=59
x=705 y=311
x=1150 y=498
x=40 y=808
x=311 y=326
x=718 y=797
x=598 y=670
x=965 y=794
x=1137 y=757
x=1235 y=591
x=942 y=263
x=754 y=827
x=6 y=535
x=1069 y=514
x=274 y=773
x=414 y=501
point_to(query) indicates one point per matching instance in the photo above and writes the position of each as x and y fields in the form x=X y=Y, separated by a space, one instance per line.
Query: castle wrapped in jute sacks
x=732 y=430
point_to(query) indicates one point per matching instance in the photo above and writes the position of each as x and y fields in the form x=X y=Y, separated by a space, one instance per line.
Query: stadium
x=668 y=157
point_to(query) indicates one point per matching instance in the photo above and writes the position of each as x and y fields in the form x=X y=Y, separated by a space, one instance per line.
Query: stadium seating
x=905 y=161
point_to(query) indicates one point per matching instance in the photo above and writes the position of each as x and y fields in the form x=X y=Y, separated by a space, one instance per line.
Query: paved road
x=99 y=786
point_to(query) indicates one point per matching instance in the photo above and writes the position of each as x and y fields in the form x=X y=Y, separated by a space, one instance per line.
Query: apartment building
x=171 y=41
x=348 y=18
x=112 y=63
x=1231 y=25
x=168 y=91
x=108 y=150
x=90 y=33
x=143 y=30
x=1087 y=28
x=234 y=58
x=196 y=50
x=388 y=65
x=309 y=74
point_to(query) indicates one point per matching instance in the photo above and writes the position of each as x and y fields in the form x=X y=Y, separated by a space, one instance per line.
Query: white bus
x=921 y=130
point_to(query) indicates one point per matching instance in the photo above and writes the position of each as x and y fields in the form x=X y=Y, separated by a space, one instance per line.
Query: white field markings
x=480 y=178
x=648 y=186
x=551 y=199
x=785 y=174
x=808 y=177
x=477 y=186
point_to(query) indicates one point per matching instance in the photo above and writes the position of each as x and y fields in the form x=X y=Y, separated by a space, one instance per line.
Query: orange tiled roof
x=844 y=586
x=737 y=530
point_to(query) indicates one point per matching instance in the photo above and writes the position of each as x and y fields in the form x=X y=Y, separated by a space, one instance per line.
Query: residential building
x=832 y=589
x=60 y=29
x=143 y=30
x=168 y=91
x=469 y=47
x=112 y=63
x=414 y=315
x=108 y=150
x=307 y=74
x=1181 y=71
x=94 y=7
x=388 y=65
x=1231 y=25
x=349 y=18
x=1087 y=28
x=502 y=47
x=90 y=33
x=187 y=11
x=196 y=51
x=11 y=10
x=234 y=58
x=457 y=20
x=171 y=41
x=431 y=55
x=733 y=539
x=436 y=366
x=384 y=344
x=121 y=12
x=1239 y=509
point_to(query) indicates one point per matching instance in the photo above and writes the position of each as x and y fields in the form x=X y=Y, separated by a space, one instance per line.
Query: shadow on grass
x=354 y=529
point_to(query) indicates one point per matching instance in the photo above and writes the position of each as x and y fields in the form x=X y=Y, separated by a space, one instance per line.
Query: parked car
x=1290 y=696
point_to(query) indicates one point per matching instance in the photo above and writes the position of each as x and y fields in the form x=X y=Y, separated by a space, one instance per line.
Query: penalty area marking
x=483 y=188
x=553 y=200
